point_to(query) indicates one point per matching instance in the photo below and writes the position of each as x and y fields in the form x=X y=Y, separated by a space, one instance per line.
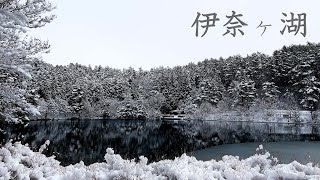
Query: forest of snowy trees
x=289 y=79
x=31 y=88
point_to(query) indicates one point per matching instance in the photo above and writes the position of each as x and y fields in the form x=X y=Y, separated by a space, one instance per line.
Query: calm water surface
x=285 y=152
x=86 y=140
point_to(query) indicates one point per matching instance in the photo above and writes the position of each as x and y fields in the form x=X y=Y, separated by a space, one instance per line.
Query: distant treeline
x=289 y=79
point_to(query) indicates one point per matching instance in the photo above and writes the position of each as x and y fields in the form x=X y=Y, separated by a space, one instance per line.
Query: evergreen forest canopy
x=289 y=79
x=31 y=88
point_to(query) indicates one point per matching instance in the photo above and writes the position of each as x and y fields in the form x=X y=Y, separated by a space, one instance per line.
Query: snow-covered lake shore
x=19 y=162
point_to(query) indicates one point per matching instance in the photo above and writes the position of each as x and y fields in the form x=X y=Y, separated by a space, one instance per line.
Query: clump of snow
x=44 y=146
x=260 y=148
x=17 y=161
x=34 y=111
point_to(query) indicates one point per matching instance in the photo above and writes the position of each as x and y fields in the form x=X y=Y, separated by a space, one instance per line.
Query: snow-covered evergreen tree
x=16 y=51
x=132 y=110
x=305 y=81
x=243 y=93
x=210 y=91
x=270 y=92
x=76 y=99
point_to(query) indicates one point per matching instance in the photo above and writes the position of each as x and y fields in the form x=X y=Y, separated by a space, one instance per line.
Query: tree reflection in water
x=72 y=141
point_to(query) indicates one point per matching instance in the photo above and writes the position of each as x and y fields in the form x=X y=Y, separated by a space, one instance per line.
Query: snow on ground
x=17 y=161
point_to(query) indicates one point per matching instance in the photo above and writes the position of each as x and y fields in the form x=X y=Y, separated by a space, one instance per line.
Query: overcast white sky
x=144 y=33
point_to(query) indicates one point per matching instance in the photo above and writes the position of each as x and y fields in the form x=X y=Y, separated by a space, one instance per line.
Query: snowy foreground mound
x=19 y=162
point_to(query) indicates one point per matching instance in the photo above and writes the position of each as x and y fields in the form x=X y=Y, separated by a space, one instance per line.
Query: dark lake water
x=72 y=141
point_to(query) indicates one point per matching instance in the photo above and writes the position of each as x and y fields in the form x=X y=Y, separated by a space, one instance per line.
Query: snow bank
x=17 y=161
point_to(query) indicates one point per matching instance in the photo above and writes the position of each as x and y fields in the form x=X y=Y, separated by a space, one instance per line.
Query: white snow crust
x=17 y=161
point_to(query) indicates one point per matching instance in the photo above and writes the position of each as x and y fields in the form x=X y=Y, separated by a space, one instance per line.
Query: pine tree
x=131 y=110
x=270 y=92
x=210 y=91
x=76 y=100
x=243 y=93
x=305 y=81
x=16 y=53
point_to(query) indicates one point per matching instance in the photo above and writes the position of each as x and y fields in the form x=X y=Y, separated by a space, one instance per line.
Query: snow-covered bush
x=19 y=162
